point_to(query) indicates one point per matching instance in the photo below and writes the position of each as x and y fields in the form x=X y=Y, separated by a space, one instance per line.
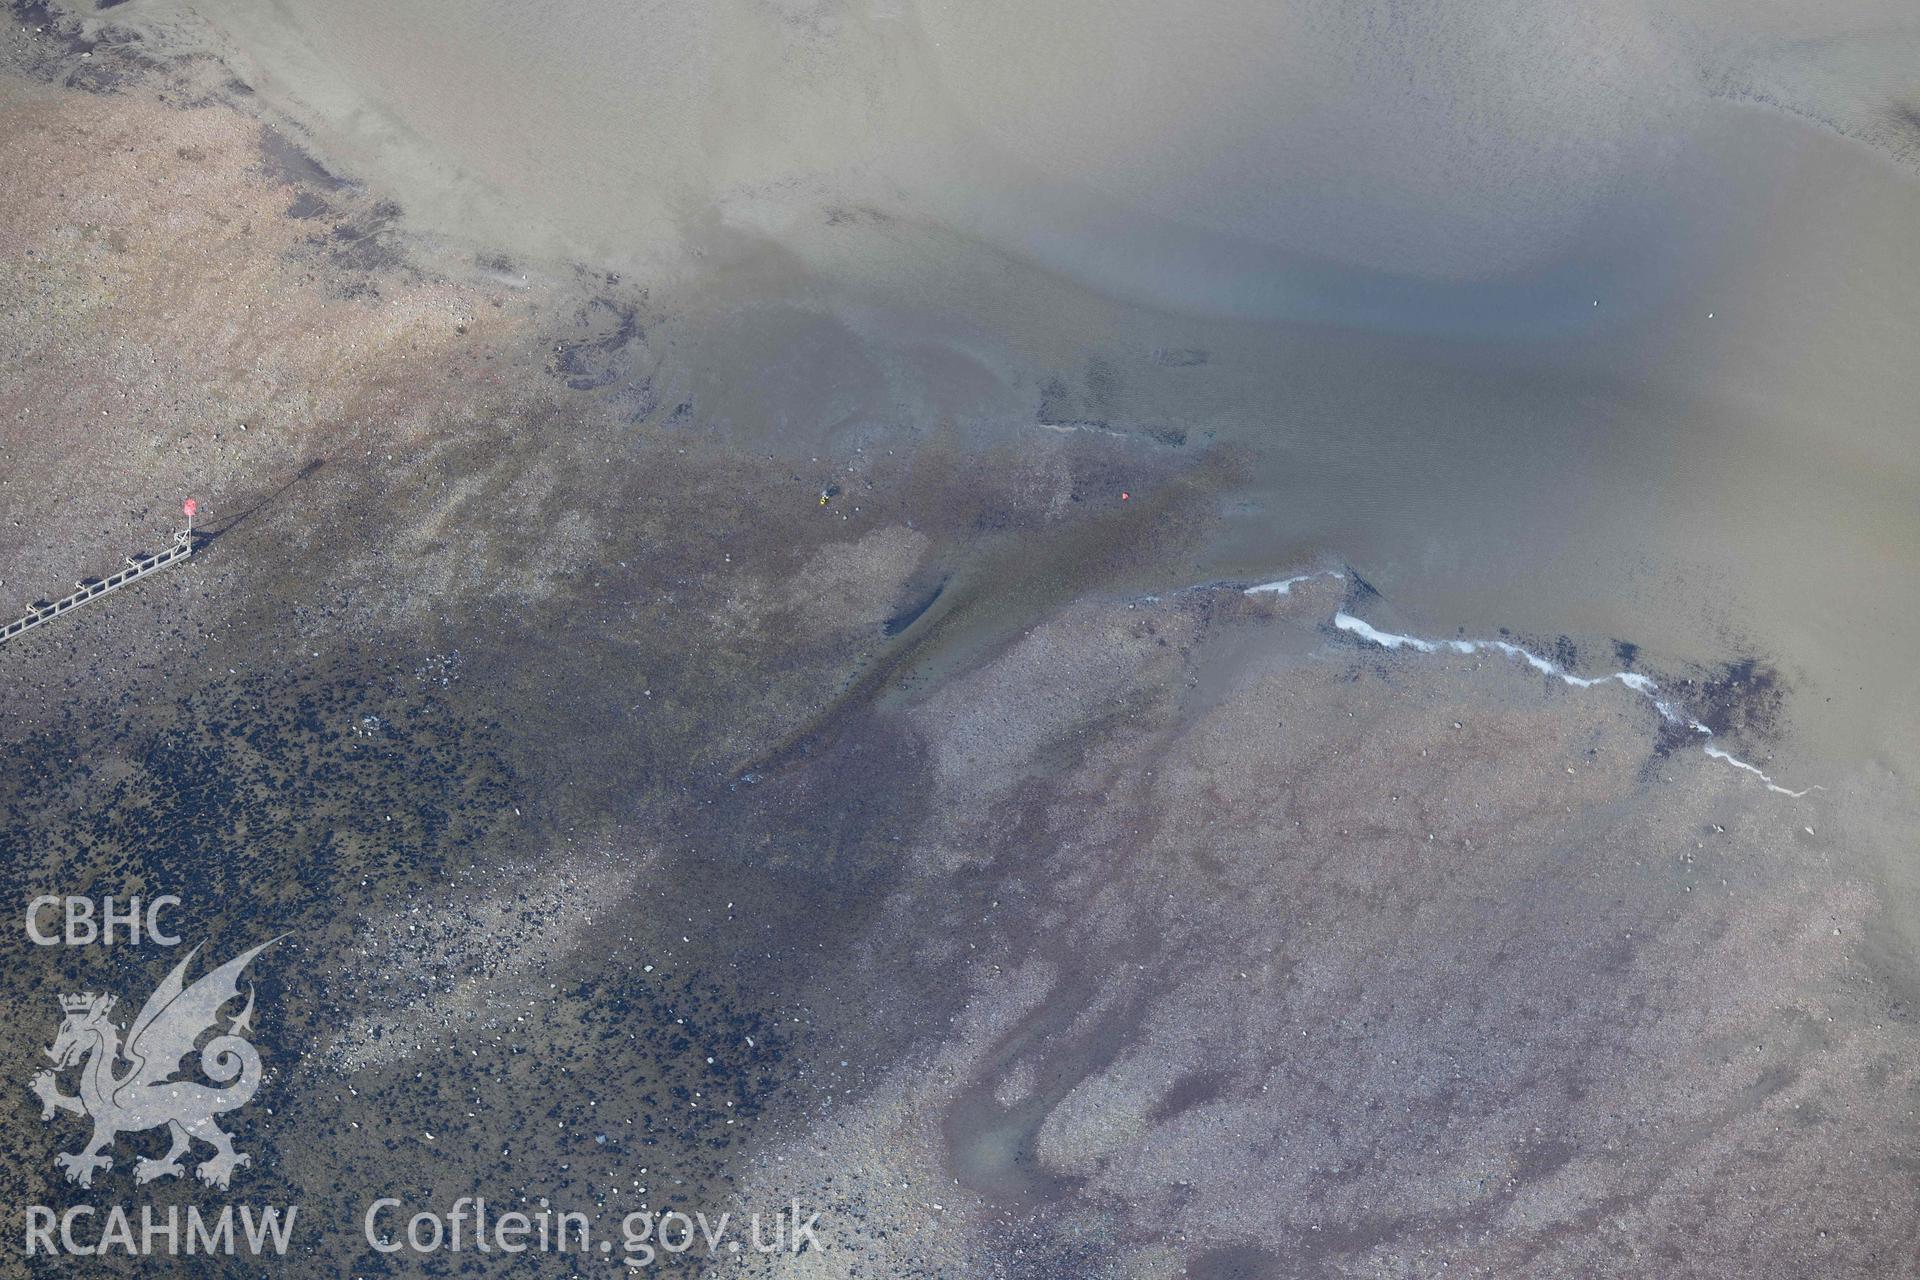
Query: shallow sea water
x=1596 y=347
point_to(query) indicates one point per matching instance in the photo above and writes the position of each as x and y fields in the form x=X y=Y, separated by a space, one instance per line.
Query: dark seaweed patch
x=1743 y=700
x=113 y=67
x=1060 y=1253
x=66 y=52
x=307 y=205
x=1671 y=738
x=1561 y=650
x=364 y=244
x=597 y=357
x=287 y=162
x=46 y=19
x=272 y=791
x=273 y=803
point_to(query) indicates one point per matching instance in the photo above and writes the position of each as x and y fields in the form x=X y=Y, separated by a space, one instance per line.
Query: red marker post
x=190 y=507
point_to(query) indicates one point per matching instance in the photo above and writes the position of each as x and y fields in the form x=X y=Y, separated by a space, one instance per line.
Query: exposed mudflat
x=675 y=793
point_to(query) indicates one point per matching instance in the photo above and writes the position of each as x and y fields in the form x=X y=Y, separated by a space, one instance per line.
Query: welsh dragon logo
x=144 y=1093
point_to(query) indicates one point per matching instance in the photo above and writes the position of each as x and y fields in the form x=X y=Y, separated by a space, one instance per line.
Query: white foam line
x=1068 y=428
x=1756 y=771
x=1285 y=585
x=1385 y=639
x=1633 y=680
x=1389 y=640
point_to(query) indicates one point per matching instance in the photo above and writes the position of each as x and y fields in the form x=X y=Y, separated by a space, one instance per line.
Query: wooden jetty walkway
x=137 y=568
